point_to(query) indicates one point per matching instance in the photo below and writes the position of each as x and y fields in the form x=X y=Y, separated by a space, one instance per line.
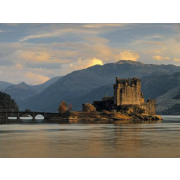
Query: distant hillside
x=4 y=85
x=164 y=87
x=172 y=110
x=159 y=83
x=6 y=102
x=23 y=91
x=39 y=88
x=177 y=97
x=20 y=91
x=85 y=83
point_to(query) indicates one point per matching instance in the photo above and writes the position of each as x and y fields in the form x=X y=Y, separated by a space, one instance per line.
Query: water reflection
x=160 y=139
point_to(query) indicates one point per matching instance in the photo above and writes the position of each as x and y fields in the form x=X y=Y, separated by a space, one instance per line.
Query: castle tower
x=128 y=92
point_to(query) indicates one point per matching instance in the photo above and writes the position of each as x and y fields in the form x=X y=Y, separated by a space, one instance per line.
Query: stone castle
x=127 y=92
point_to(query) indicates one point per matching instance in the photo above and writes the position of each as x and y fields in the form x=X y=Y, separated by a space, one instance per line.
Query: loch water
x=74 y=140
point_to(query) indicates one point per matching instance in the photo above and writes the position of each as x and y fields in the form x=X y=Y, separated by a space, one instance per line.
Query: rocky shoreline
x=106 y=116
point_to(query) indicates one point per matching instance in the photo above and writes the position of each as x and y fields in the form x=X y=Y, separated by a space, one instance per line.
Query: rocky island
x=127 y=105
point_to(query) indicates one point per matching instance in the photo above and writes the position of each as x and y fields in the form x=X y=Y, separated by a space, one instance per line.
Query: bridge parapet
x=9 y=110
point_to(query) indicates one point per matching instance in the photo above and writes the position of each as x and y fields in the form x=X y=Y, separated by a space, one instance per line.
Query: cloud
x=45 y=35
x=46 y=56
x=57 y=33
x=12 y=24
x=43 y=65
x=81 y=64
x=2 y=31
x=102 y=25
x=176 y=59
x=18 y=66
x=62 y=30
x=161 y=58
x=177 y=39
x=156 y=43
x=92 y=62
x=18 y=73
x=76 y=45
x=127 y=55
x=35 y=56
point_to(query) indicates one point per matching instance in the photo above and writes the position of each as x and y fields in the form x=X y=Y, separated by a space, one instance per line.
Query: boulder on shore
x=88 y=107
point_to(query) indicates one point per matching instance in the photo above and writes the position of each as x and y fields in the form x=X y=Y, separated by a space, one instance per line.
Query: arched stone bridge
x=5 y=114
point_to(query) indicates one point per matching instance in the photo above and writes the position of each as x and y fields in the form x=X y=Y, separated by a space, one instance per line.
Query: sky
x=34 y=53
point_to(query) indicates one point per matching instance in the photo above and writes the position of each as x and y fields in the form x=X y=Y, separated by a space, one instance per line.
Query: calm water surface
x=159 y=139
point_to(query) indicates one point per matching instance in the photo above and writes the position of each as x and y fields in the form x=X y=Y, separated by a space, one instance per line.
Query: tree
x=62 y=107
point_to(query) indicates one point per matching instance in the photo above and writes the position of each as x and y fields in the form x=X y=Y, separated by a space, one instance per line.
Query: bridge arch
x=39 y=116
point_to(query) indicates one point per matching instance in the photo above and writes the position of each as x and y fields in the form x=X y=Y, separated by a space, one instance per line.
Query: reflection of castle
x=126 y=92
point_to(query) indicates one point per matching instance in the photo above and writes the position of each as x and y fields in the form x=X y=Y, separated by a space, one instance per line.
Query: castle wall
x=149 y=106
x=104 y=104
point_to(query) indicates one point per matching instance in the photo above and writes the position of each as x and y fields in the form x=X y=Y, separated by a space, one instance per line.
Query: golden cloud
x=95 y=61
x=35 y=56
x=161 y=58
x=80 y=64
x=102 y=51
x=18 y=66
x=87 y=63
x=176 y=59
x=127 y=55
x=156 y=43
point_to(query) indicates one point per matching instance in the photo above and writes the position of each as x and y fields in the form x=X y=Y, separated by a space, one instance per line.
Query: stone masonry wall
x=149 y=106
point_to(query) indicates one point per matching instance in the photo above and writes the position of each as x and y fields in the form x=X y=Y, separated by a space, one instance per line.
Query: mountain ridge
x=78 y=83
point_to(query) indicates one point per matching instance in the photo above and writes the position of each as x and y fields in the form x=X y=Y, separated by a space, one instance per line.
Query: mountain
x=177 y=96
x=165 y=88
x=85 y=83
x=4 y=85
x=20 y=91
x=6 y=102
x=39 y=88
x=23 y=91
x=159 y=83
